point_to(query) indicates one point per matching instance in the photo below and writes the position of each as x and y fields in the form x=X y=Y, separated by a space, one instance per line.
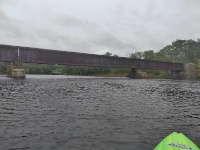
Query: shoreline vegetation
x=112 y=75
x=180 y=51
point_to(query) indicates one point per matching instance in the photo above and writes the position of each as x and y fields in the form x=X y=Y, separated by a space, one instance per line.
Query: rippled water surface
x=73 y=112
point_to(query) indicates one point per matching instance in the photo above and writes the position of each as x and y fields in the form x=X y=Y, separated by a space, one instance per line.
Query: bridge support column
x=18 y=71
x=174 y=74
x=134 y=73
x=191 y=71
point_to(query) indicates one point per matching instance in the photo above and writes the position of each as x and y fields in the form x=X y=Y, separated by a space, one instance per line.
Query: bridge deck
x=46 y=56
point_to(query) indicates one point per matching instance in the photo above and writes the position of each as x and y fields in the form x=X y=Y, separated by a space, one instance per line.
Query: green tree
x=67 y=70
x=5 y=67
x=149 y=55
x=115 y=55
x=199 y=68
x=108 y=54
x=183 y=51
x=137 y=55
x=132 y=55
x=164 y=54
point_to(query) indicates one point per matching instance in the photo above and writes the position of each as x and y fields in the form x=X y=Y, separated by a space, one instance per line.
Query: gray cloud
x=120 y=27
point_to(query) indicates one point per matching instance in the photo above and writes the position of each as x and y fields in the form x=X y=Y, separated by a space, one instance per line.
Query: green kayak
x=176 y=141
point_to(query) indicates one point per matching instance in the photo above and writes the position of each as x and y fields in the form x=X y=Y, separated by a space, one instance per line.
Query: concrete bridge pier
x=134 y=73
x=191 y=71
x=175 y=74
x=18 y=71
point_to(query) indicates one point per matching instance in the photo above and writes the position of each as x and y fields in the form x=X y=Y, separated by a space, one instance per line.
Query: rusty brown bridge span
x=21 y=54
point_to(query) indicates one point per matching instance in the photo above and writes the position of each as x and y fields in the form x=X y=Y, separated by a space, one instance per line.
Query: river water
x=95 y=113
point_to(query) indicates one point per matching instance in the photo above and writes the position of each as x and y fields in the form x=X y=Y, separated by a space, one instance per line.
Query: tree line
x=180 y=51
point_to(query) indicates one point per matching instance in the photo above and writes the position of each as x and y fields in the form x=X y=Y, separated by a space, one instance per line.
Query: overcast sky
x=97 y=26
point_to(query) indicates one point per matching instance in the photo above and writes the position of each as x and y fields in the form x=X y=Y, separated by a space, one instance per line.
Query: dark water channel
x=91 y=113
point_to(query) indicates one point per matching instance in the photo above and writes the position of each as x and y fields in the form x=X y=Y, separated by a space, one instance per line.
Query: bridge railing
x=8 y=54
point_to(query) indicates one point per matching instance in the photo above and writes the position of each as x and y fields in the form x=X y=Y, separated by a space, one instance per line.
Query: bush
x=9 y=71
x=199 y=68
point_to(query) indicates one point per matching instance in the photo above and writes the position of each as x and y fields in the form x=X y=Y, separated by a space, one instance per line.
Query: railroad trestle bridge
x=19 y=55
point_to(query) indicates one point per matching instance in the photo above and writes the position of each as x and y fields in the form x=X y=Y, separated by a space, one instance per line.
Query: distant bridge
x=46 y=56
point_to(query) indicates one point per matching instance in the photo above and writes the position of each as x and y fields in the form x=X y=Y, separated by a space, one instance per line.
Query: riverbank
x=112 y=75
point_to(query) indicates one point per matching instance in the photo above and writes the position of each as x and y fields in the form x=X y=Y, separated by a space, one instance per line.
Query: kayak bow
x=176 y=141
